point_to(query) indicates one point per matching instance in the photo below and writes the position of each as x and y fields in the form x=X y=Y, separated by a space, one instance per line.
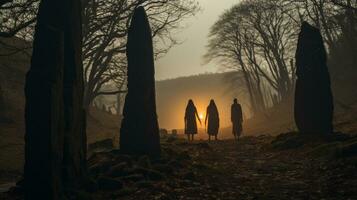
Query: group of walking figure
x=212 y=120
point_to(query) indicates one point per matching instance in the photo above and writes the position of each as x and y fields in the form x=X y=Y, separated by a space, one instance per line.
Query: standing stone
x=55 y=144
x=44 y=106
x=75 y=140
x=2 y=104
x=139 y=133
x=313 y=96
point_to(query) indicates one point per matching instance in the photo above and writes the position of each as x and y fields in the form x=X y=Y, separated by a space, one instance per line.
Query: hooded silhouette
x=190 y=119
x=236 y=119
x=313 y=96
x=212 y=117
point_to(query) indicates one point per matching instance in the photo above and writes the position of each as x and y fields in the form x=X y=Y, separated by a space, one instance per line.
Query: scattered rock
x=175 y=164
x=155 y=175
x=133 y=177
x=184 y=155
x=106 y=183
x=171 y=138
x=203 y=145
x=144 y=161
x=100 y=167
x=118 y=170
x=102 y=145
x=164 y=168
x=145 y=184
x=286 y=141
x=189 y=176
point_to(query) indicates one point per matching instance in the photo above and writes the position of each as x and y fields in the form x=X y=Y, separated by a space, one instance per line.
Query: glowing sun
x=200 y=116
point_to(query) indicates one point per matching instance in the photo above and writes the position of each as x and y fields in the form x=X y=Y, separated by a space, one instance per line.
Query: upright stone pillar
x=44 y=106
x=2 y=103
x=313 y=96
x=139 y=133
x=55 y=141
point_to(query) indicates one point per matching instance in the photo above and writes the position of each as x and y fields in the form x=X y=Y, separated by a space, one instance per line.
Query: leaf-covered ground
x=287 y=167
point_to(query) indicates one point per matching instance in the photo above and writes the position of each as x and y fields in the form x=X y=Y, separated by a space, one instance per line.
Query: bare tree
x=273 y=43
x=256 y=38
x=346 y=4
x=17 y=16
x=225 y=45
x=330 y=16
x=105 y=28
x=105 y=38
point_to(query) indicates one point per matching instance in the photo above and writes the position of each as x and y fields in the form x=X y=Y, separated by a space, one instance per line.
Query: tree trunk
x=248 y=82
x=55 y=142
x=88 y=96
x=139 y=133
x=313 y=96
x=250 y=89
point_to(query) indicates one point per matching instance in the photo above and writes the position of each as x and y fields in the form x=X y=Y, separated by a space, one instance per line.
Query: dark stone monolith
x=55 y=141
x=313 y=96
x=75 y=140
x=139 y=133
x=2 y=104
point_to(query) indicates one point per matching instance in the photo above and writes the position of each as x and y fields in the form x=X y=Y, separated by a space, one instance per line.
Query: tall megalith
x=55 y=141
x=2 y=103
x=139 y=132
x=313 y=96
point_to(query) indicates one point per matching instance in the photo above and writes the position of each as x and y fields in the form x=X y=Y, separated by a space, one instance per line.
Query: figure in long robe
x=212 y=117
x=190 y=120
x=236 y=119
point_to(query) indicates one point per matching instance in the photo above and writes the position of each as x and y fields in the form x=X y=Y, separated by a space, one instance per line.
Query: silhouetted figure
x=212 y=117
x=190 y=120
x=139 y=133
x=236 y=119
x=313 y=96
x=55 y=138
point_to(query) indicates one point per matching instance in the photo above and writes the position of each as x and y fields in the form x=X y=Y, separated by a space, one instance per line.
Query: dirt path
x=250 y=169
x=225 y=170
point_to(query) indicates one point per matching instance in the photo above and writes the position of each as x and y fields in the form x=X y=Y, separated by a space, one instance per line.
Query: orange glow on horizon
x=201 y=116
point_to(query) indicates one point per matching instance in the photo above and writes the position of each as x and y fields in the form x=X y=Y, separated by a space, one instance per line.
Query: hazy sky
x=186 y=59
